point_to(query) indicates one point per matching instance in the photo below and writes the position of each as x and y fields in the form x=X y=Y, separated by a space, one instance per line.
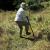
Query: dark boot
x=28 y=33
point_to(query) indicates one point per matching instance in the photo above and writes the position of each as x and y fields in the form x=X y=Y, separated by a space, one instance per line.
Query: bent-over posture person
x=21 y=19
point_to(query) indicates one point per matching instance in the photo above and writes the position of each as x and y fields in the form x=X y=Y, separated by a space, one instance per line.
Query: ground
x=9 y=31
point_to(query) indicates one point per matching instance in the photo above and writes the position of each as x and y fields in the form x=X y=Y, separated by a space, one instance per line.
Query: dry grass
x=10 y=40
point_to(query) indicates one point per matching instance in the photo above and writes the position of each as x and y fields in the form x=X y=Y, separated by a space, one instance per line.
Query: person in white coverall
x=21 y=19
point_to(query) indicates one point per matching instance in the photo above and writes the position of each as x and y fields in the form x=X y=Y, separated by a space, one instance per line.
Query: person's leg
x=21 y=31
x=20 y=27
x=27 y=28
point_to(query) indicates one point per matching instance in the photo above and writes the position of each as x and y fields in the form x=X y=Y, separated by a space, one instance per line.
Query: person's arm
x=28 y=19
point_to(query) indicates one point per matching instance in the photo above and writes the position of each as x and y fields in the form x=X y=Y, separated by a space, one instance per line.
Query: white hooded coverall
x=21 y=16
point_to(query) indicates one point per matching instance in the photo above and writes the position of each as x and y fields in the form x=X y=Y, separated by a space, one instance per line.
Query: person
x=21 y=19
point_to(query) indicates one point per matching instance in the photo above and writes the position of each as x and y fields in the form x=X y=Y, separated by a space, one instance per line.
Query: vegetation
x=40 y=23
x=14 y=4
x=10 y=4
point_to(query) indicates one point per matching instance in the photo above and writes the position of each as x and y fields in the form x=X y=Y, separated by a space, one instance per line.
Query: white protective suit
x=21 y=16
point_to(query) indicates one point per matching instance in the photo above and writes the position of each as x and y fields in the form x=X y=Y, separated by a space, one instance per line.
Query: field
x=9 y=31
